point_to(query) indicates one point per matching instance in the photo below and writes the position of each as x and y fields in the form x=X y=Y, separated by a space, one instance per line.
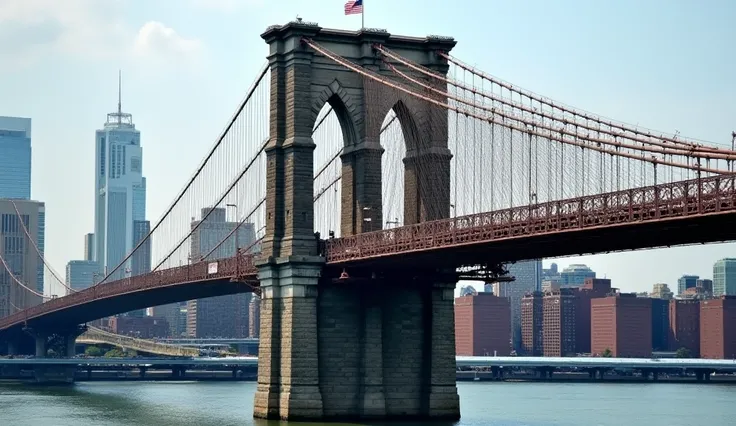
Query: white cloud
x=35 y=27
x=32 y=29
x=157 y=40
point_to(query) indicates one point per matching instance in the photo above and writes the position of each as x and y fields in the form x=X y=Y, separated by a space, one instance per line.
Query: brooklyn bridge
x=369 y=163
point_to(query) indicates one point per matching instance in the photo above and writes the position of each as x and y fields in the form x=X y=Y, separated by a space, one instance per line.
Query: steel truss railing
x=241 y=268
x=674 y=200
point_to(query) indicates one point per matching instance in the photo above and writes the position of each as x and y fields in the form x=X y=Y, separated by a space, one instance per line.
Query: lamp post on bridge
x=733 y=145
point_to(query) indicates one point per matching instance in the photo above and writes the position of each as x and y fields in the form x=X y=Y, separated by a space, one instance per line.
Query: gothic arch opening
x=395 y=125
x=333 y=130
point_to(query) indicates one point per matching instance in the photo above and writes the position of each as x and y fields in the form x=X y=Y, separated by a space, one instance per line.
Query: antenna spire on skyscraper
x=120 y=91
x=119 y=118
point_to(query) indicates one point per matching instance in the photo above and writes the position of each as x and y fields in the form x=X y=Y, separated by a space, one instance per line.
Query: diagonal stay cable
x=210 y=211
x=216 y=145
x=38 y=251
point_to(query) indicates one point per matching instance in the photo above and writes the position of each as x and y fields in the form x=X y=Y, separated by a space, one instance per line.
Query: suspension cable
x=370 y=75
x=38 y=251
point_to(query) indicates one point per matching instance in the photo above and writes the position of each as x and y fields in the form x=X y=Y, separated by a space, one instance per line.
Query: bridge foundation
x=354 y=349
x=41 y=340
x=12 y=348
x=288 y=375
x=70 y=339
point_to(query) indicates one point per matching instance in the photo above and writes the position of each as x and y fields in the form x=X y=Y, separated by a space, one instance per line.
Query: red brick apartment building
x=482 y=325
x=621 y=323
x=559 y=322
x=718 y=328
x=593 y=288
x=532 y=321
x=685 y=326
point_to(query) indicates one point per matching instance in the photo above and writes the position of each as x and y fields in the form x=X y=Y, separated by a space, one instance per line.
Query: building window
x=103 y=150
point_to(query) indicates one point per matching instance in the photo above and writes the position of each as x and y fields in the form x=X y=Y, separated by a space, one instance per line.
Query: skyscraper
x=21 y=258
x=724 y=277
x=120 y=195
x=575 y=275
x=528 y=278
x=81 y=274
x=15 y=158
x=222 y=316
x=685 y=282
x=89 y=246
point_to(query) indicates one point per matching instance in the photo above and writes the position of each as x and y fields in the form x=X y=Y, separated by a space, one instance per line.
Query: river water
x=482 y=403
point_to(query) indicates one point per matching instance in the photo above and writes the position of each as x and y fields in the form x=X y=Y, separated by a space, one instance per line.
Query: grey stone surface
x=347 y=351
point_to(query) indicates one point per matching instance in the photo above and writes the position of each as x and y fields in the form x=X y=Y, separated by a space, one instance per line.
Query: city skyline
x=173 y=120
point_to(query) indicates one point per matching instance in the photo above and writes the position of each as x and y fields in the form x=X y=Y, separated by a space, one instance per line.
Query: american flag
x=354 y=7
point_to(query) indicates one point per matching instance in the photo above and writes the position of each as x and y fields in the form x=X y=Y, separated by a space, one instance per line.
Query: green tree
x=114 y=353
x=683 y=353
x=607 y=353
x=93 y=351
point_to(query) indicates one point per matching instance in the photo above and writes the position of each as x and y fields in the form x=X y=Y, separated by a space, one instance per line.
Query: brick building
x=660 y=324
x=718 y=328
x=532 y=320
x=139 y=327
x=592 y=288
x=559 y=323
x=622 y=324
x=685 y=326
x=482 y=325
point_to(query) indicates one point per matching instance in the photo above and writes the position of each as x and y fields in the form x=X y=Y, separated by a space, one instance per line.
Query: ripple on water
x=483 y=404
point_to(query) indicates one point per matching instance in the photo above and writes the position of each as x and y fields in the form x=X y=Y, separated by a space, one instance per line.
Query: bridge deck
x=686 y=212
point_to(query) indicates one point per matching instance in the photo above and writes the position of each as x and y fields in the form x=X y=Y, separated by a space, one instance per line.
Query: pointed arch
x=408 y=123
x=344 y=107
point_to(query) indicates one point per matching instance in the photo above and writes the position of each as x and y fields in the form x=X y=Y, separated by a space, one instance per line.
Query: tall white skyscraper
x=120 y=194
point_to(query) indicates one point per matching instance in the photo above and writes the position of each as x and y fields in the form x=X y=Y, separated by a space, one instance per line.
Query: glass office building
x=15 y=158
x=120 y=195
x=724 y=277
x=81 y=274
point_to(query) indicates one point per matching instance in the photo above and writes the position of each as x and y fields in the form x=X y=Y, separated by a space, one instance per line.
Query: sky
x=663 y=64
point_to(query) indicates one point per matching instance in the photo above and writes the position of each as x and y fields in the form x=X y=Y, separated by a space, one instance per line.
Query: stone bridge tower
x=378 y=349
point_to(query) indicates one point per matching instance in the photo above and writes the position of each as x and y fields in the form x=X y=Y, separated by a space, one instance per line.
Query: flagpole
x=362 y=17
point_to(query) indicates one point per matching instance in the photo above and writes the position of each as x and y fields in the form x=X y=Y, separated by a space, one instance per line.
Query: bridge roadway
x=685 y=212
x=209 y=341
x=720 y=365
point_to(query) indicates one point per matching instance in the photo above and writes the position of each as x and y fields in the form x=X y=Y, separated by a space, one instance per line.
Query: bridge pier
x=12 y=347
x=70 y=339
x=354 y=349
x=41 y=340
x=288 y=379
